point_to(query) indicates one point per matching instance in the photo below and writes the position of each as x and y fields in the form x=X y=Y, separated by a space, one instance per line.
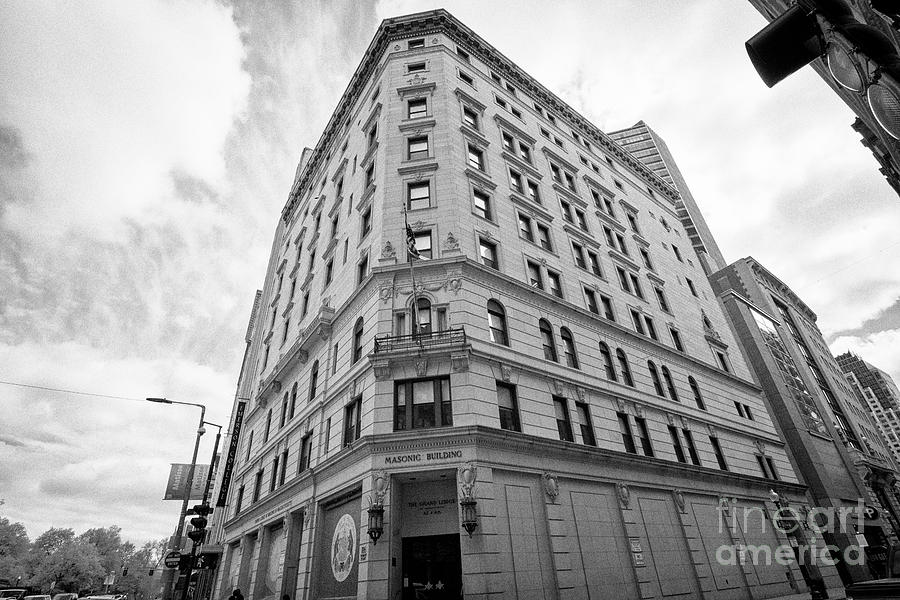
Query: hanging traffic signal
x=199 y=522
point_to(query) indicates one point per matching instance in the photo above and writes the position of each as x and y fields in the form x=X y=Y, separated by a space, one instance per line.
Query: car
x=14 y=593
x=65 y=596
x=38 y=597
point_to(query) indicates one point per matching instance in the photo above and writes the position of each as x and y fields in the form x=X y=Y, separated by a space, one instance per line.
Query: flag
x=411 y=243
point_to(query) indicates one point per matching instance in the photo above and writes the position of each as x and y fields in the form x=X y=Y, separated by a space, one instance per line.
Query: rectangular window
x=677 y=253
x=509 y=143
x=661 y=298
x=620 y=242
x=239 y=500
x=470 y=117
x=417 y=108
x=535 y=279
x=691 y=287
x=418 y=43
x=623 y=279
x=422 y=404
x=566 y=210
x=585 y=424
x=544 y=237
x=362 y=269
x=515 y=181
x=591 y=299
x=329 y=271
x=326 y=442
x=578 y=254
x=525 y=230
x=556 y=173
x=720 y=457
x=366 y=225
x=370 y=175
x=482 y=205
x=508 y=406
x=417 y=148
x=646 y=257
x=644 y=436
x=676 y=443
x=739 y=408
x=563 y=422
x=627 y=436
x=748 y=413
x=555 y=283
x=570 y=181
x=423 y=243
x=352 y=421
x=418 y=195
x=466 y=77
x=594 y=260
x=636 y=285
x=676 y=339
x=415 y=67
x=607 y=304
x=305 y=447
x=475 y=157
x=723 y=361
x=651 y=328
x=691 y=448
x=533 y=191
x=632 y=221
x=582 y=221
x=766 y=466
x=462 y=54
x=637 y=321
x=488 y=251
x=257 y=486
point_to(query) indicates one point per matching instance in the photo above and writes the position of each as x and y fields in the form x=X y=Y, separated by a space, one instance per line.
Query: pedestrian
x=237 y=594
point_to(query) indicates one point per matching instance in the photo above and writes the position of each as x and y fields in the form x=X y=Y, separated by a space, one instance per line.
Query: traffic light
x=199 y=522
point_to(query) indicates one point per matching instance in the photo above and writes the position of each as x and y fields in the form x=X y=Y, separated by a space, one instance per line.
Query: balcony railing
x=431 y=340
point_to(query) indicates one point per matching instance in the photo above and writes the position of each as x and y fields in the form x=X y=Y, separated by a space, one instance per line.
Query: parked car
x=65 y=596
x=14 y=593
x=887 y=588
x=38 y=597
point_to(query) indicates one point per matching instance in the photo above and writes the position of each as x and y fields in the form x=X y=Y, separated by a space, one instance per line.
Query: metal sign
x=177 y=486
x=232 y=453
x=172 y=559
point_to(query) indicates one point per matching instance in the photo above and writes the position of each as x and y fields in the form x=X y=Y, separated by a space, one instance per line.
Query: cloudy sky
x=147 y=148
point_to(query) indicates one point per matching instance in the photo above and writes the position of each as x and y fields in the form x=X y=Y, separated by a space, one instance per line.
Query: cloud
x=11 y=440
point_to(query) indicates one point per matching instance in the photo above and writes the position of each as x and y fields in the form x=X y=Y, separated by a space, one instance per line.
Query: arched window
x=696 y=390
x=547 y=340
x=654 y=375
x=293 y=401
x=569 y=347
x=497 y=322
x=313 y=380
x=423 y=315
x=284 y=406
x=608 y=362
x=624 y=367
x=670 y=385
x=357 y=340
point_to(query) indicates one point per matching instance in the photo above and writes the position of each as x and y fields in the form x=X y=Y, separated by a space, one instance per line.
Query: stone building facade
x=541 y=406
x=832 y=440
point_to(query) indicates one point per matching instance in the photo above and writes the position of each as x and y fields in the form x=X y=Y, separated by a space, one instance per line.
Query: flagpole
x=410 y=247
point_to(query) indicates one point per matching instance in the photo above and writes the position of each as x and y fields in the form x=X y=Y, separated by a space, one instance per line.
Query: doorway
x=432 y=568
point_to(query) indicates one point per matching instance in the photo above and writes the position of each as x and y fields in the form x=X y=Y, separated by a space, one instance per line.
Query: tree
x=14 y=546
x=75 y=566
x=109 y=545
x=50 y=541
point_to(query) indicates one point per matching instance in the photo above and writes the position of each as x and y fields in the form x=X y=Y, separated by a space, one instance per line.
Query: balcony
x=390 y=351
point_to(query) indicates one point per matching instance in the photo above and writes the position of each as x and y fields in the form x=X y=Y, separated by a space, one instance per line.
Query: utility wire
x=845 y=267
x=64 y=391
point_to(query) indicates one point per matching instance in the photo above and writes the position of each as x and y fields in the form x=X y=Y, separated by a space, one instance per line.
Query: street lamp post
x=169 y=575
x=195 y=545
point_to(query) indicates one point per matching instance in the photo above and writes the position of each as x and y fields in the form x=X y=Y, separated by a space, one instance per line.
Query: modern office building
x=529 y=392
x=880 y=394
x=832 y=441
x=884 y=146
x=646 y=145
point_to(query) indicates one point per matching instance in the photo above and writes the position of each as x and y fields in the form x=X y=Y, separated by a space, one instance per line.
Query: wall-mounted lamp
x=466 y=476
x=380 y=484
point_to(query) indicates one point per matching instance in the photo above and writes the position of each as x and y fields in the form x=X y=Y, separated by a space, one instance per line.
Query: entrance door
x=432 y=568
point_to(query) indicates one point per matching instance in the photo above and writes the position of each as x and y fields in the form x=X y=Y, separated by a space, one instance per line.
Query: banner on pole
x=232 y=453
